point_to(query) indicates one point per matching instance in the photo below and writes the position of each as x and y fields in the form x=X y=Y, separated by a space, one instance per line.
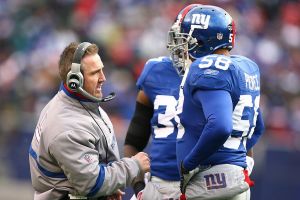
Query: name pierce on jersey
x=252 y=82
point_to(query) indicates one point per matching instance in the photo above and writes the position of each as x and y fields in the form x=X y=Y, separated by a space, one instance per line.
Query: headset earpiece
x=73 y=83
x=74 y=77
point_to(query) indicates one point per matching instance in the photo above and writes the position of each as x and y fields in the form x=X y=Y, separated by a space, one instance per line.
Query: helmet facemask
x=178 y=46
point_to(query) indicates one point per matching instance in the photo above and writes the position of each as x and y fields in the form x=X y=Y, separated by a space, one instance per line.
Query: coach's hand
x=143 y=160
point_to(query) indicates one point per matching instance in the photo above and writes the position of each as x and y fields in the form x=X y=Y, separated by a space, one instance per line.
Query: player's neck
x=224 y=52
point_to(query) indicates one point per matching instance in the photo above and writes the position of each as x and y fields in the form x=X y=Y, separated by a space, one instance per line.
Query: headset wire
x=106 y=156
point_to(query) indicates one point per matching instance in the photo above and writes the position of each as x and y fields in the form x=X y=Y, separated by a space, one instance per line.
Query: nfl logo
x=219 y=36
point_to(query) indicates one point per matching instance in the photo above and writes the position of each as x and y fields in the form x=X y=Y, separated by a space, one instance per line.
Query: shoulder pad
x=211 y=72
x=153 y=64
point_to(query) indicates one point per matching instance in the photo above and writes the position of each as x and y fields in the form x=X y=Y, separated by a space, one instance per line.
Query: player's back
x=240 y=77
x=160 y=81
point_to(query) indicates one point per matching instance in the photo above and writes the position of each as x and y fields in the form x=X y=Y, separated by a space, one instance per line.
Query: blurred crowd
x=33 y=33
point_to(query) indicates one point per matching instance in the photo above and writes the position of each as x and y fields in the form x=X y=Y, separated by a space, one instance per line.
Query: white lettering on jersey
x=252 y=82
x=200 y=21
x=240 y=123
x=165 y=118
x=221 y=62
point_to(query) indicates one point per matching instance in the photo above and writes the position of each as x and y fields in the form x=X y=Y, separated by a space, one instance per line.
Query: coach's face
x=93 y=74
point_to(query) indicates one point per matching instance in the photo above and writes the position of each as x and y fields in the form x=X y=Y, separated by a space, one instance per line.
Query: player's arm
x=139 y=130
x=217 y=107
x=250 y=153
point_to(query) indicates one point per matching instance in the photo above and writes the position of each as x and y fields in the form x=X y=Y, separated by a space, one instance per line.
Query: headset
x=75 y=78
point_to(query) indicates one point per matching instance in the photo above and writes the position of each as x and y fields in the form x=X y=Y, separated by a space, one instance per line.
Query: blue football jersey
x=160 y=81
x=240 y=77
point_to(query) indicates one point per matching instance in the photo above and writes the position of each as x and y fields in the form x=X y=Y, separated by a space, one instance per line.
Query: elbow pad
x=139 y=130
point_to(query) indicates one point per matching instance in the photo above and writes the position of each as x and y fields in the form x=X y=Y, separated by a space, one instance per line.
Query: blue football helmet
x=198 y=31
x=176 y=42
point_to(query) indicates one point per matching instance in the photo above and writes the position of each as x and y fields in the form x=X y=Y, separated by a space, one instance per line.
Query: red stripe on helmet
x=233 y=33
x=186 y=10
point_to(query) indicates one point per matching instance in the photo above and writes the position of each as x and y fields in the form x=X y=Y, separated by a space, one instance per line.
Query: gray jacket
x=69 y=150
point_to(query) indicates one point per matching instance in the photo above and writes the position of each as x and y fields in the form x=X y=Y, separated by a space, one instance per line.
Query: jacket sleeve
x=78 y=158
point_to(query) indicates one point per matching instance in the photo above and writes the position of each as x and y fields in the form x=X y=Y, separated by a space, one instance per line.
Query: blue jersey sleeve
x=151 y=68
x=215 y=76
x=144 y=74
x=217 y=108
x=259 y=129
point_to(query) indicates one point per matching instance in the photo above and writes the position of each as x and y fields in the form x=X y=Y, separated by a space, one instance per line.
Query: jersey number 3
x=165 y=119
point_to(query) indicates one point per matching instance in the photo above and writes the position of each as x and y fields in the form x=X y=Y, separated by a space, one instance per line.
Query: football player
x=221 y=119
x=156 y=116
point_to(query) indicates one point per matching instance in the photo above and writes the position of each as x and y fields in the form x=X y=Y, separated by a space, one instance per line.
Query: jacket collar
x=77 y=98
x=72 y=94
